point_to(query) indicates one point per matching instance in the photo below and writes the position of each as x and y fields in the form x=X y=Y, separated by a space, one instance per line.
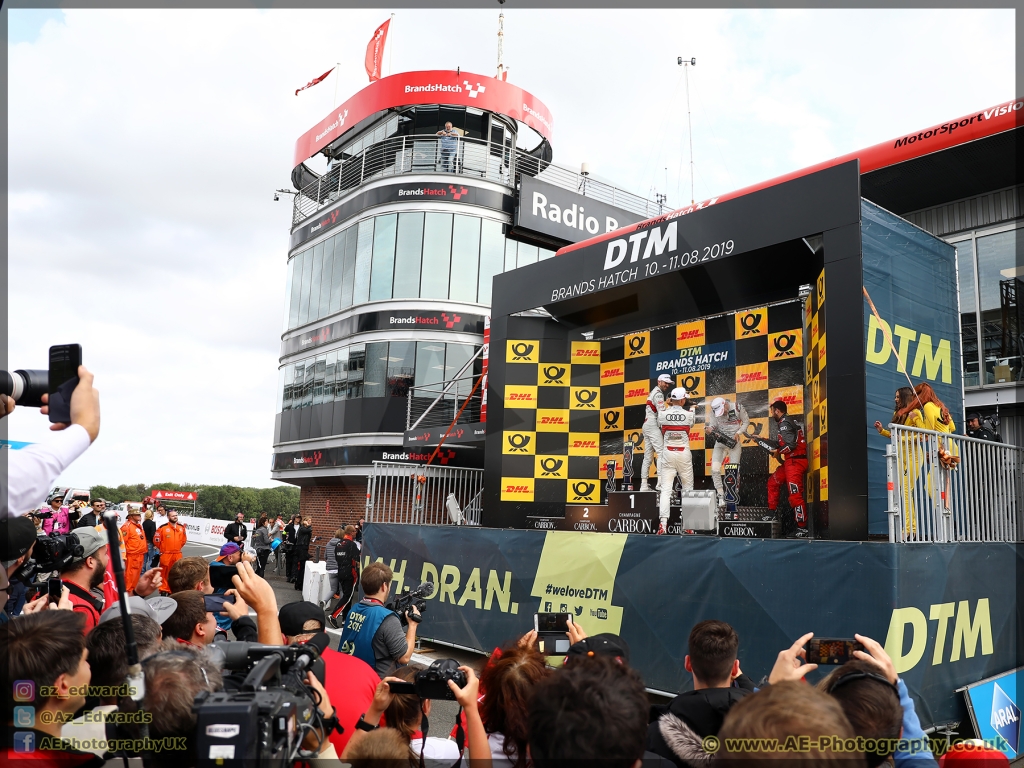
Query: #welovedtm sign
x=559 y=213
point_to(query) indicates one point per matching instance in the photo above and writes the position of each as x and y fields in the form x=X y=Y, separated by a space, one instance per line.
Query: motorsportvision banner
x=911 y=278
x=946 y=613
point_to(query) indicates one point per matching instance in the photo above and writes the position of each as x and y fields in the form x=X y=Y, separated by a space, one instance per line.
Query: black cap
x=974 y=416
x=293 y=617
x=16 y=536
x=605 y=644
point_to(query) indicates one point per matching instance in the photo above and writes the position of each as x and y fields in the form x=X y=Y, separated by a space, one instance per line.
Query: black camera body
x=50 y=553
x=261 y=717
x=432 y=682
x=409 y=598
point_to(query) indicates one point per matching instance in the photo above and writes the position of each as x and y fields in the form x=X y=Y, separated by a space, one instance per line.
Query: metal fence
x=422 y=495
x=946 y=488
x=471 y=157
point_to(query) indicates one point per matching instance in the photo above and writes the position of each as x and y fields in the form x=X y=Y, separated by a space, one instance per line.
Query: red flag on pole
x=314 y=81
x=375 y=51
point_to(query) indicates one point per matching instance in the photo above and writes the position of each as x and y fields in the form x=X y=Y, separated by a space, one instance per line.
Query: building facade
x=393 y=248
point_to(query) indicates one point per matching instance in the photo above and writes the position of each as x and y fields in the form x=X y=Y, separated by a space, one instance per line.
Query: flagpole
x=391 y=50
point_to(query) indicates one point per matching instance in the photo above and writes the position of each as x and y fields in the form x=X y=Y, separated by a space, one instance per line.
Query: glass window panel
x=429 y=366
x=465 y=258
x=1000 y=288
x=383 y=269
x=407 y=255
x=332 y=359
x=527 y=254
x=325 y=278
x=401 y=367
x=392 y=126
x=293 y=309
x=319 y=373
x=546 y=254
x=290 y=275
x=307 y=382
x=510 y=254
x=337 y=270
x=341 y=375
x=968 y=306
x=376 y=371
x=314 y=283
x=457 y=355
x=356 y=369
x=378 y=133
x=437 y=250
x=492 y=255
x=349 y=275
x=282 y=374
x=364 y=250
x=307 y=267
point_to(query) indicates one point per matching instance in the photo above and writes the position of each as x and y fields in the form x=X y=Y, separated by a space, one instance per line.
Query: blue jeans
x=448 y=160
x=152 y=557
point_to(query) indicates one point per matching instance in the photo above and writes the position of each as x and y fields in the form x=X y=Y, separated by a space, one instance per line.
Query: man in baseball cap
x=675 y=422
x=230 y=554
x=159 y=609
x=651 y=431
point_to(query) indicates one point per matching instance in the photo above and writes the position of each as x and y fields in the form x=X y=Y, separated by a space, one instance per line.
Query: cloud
x=144 y=147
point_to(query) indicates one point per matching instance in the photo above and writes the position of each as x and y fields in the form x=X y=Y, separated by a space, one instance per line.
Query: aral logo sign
x=1005 y=718
x=566 y=215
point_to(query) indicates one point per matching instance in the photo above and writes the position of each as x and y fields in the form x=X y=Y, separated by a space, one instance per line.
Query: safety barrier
x=947 y=488
x=423 y=495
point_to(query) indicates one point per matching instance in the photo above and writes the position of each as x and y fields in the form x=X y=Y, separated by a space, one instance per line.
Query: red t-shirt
x=84 y=603
x=350 y=683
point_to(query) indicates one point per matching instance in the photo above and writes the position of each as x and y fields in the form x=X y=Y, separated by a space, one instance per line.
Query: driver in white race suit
x=652 y=429
x=725 y=421
x=675 y=459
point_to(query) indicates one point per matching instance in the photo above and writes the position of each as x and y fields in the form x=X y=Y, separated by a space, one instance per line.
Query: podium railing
x=952 y=488
x=423 y=495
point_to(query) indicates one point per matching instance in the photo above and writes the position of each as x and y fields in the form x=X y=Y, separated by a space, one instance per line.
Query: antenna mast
x=686 y=66
x=501 y=46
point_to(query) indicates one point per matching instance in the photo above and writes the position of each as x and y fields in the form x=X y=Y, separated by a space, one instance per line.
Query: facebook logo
x=24 y=741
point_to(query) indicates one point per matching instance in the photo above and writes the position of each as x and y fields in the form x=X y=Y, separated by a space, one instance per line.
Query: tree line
x=218 y=501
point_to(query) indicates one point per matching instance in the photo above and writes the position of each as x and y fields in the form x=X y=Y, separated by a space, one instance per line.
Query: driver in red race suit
x=792 y=452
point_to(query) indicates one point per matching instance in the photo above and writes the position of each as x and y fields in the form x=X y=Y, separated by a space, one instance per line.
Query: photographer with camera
x=408 y=713
x=32 y=471
x=372 y=631
x=351 y=683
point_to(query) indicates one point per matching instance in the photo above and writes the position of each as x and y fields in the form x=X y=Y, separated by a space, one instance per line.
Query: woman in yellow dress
x=907 y=412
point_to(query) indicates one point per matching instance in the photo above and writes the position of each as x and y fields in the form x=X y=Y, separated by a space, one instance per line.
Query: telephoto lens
x=25 y=387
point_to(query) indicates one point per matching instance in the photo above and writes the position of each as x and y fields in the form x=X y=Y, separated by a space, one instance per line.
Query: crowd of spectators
x=75 y=699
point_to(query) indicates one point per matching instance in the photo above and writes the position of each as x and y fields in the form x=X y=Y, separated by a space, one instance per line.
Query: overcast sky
x=144 y=148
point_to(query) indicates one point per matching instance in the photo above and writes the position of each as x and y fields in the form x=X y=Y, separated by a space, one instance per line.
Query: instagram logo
x=24 y=690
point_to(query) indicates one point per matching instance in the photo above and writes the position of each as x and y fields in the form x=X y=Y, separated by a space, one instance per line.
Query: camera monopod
x=136 y=680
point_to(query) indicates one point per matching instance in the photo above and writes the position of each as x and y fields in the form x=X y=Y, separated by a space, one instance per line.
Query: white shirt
x=436 y=749
x=675 y=422
x=32 y=471
x=496 y=741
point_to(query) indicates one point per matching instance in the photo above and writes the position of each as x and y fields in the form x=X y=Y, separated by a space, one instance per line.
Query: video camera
x=409 y=598
x=50 y=553
x=262 y=716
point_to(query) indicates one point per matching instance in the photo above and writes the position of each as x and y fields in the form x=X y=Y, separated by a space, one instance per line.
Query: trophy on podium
x=731 y=484
x=627 y=466
x=610 y=485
